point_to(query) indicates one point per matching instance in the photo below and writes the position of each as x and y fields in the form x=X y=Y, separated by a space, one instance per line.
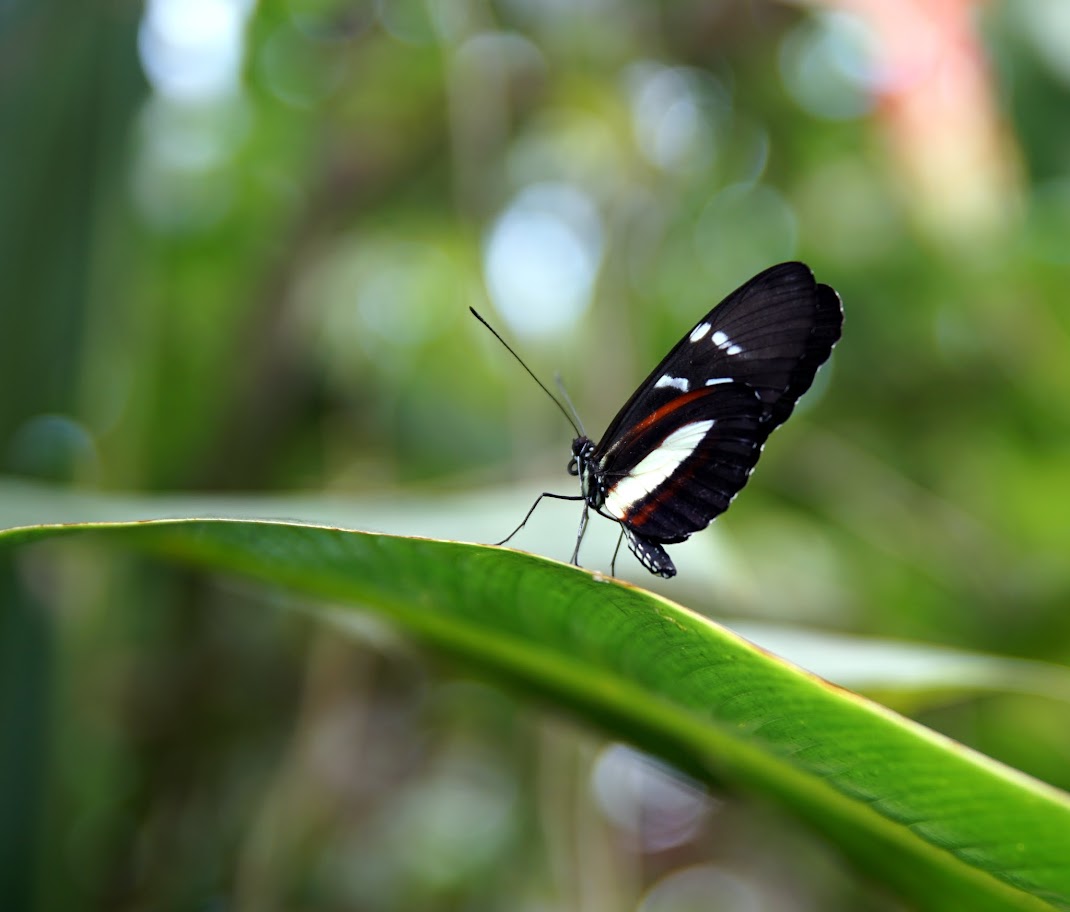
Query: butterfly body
x=685 y=443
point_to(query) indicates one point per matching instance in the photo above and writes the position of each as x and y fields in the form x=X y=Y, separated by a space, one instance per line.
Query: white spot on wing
x=717 y=380
x=699 y=331
x=725 y=344
x=680 y=383
x=655 y=468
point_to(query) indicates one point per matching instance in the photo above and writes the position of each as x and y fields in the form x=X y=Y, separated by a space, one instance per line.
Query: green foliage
x=947 y=827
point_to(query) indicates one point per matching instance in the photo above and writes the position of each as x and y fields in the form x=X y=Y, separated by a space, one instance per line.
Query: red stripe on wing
x=667 y=409
x=658 y=497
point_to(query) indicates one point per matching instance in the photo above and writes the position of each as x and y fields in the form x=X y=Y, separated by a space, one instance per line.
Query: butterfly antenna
x=542 y=386
x=560 y=384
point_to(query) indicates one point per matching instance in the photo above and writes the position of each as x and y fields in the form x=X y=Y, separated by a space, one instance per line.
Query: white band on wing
x=657 y=467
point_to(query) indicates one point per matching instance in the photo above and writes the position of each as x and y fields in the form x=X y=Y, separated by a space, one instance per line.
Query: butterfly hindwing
x=650 y=554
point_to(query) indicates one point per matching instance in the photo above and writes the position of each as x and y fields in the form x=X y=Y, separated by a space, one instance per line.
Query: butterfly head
x=580 y=463
x=582 y=447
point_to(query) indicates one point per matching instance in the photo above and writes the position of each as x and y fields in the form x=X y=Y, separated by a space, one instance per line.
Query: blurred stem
x=69 y=88
x=25 y=673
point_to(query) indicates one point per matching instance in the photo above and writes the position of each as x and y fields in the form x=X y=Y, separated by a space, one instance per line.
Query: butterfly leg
x=538 y=499
x=616 y=551
x=579 y=536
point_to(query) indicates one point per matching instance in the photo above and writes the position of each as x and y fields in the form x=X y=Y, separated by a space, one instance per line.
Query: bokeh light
x=542 y=258
x=704 y=887
x=653 y=805
x=193 y=50
x=828 y=64
x=671 y=116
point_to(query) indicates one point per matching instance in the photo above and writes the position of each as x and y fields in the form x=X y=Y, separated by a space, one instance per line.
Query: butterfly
x=685 y=443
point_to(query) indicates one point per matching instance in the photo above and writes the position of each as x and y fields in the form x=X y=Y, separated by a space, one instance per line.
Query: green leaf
x=946 y=827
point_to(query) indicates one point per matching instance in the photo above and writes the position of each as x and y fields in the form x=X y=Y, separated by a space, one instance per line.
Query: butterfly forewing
x=771 y=333
x=686 y=441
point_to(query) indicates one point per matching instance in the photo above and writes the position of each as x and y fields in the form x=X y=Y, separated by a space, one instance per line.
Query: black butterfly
x=687 y=440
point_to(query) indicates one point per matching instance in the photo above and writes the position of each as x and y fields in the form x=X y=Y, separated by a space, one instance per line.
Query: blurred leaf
x=947 y=827
x=915 y=673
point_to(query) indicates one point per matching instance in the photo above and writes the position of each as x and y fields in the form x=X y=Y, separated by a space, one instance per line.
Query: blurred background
x=238 y=243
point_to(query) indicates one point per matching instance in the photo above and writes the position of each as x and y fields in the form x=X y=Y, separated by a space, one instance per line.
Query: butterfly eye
x=573 y=468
